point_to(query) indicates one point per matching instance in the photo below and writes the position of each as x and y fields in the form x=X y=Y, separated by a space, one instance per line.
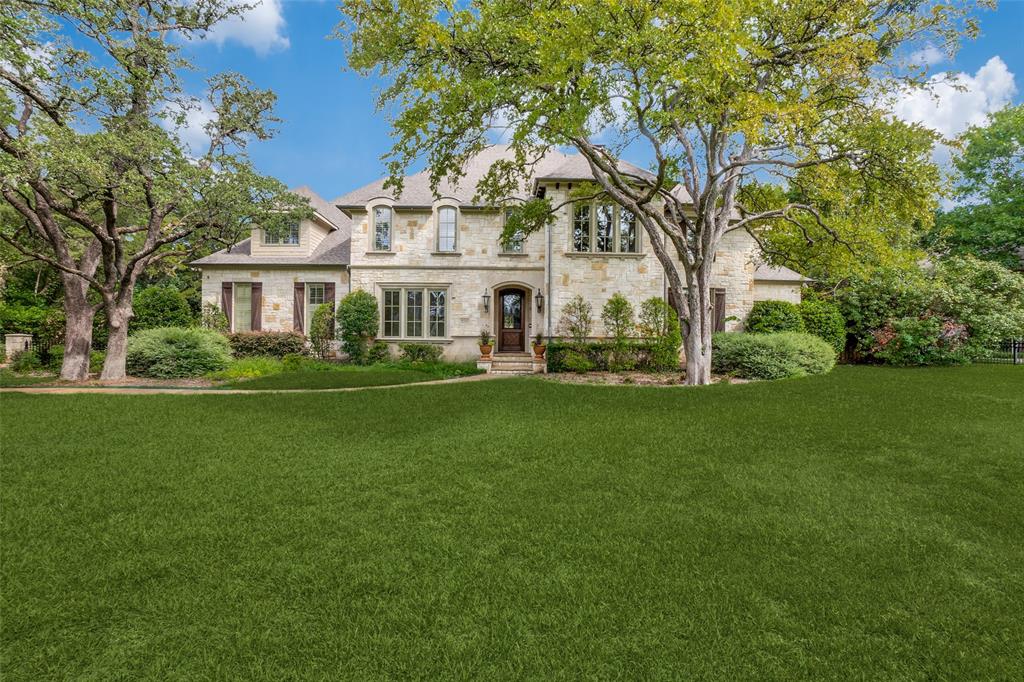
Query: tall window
x=242 y=307
x=581 y=227
x=515 y=244
x=289 y=238
x=382 y=228
x=314 y=299
x=603 y=228
x=447 y=224
x=419 y=312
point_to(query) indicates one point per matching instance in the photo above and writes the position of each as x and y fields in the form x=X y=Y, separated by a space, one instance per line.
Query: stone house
x=440 y=273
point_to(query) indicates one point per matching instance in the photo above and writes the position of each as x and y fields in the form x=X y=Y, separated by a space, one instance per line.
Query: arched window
x=382 y=228
x=447 y=228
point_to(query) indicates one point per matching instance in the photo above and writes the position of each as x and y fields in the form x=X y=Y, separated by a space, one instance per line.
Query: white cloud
x=955 y=101
x=192 y=132
x=929 y=55
x=261 y=28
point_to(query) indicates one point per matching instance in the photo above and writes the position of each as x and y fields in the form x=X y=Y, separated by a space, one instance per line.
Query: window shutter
x=299 y=309
x=256 y=316
x=329 y=294
x=719 y=310
x=226 y=289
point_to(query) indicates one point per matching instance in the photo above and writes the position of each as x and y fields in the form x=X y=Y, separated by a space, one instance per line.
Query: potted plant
x=486 y=344
x=539 y=347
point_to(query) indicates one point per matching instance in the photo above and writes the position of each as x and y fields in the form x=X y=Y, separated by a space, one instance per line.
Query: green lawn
x=868 y=524
x=349 y=377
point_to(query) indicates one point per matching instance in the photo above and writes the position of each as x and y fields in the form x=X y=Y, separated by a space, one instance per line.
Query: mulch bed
x=633 y=378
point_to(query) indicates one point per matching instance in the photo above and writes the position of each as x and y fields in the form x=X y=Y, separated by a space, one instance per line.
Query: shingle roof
x=555 y=165
x=769 y=273
x=325 y=208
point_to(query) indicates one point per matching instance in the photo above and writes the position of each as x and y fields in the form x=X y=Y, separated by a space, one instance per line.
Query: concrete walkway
x=158 y=390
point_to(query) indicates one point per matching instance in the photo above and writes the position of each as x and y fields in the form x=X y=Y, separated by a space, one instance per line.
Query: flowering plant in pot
x=486 y=343
x=539 y=347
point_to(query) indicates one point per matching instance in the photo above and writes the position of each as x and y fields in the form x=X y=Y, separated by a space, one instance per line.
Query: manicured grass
x=860 y=525
x=9 y=379
x=350 y=377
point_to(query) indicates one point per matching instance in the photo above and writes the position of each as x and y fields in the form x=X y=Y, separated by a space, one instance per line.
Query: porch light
x=487 y=301
x=540 y=301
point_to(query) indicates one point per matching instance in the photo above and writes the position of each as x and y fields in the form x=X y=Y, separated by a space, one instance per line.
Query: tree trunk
x=78 y=316
x=118 y=315
x=699 y=326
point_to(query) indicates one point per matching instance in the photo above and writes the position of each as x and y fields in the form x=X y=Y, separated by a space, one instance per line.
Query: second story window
x=515 y=244
x=447 y=225
x=288 y=238
x=603 y=228
x=382 y=228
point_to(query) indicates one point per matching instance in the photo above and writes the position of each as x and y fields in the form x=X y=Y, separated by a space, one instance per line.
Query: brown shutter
x=299 y=309
x=719 y=310
x=256 y=317
x=226 y=289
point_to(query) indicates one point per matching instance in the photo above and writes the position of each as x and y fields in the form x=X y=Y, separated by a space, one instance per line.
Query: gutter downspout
x=551 y=297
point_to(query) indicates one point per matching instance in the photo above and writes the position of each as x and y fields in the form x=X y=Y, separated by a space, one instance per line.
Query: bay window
x=414 y=312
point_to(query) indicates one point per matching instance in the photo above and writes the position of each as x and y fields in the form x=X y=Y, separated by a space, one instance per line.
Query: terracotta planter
x=485 y=350
x=538 y=351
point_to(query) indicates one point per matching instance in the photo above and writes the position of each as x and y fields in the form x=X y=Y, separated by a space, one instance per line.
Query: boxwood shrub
x=267 y=344
x=767 y=317
x=175 y=352
x=575 y=356
x=770 y=356
x=420 y=352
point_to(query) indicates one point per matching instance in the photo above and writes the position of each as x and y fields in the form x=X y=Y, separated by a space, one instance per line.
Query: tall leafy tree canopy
x=91 y=100
x=719 y=92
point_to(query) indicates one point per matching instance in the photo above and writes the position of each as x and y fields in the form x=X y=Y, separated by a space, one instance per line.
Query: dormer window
x=447 y=228
x=382 y=228
x=289 y=238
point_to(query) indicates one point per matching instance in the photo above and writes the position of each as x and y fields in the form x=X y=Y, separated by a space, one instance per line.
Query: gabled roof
x=555 y=165
x=328 y=211
x=771 y=273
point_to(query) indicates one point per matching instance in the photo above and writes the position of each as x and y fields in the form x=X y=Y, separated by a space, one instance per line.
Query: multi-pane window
x=393 y=312
x=515 y=244
x=289 y=238
x=603 y=228
x=581 y=227
x=314 y=299
x=419 y=312
x=447 y=223
x=242 y=307
x=382 y=228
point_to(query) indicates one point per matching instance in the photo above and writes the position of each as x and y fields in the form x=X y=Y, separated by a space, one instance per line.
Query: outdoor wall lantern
x=540 y=301
x=487 y=301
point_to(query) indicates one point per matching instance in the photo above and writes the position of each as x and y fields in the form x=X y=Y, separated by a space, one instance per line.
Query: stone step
x=511 y=372
x=512 y=365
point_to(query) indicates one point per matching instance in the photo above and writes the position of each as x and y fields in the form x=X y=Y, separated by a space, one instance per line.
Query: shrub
x=378 y=352
x=420 y=352
x=767 y=317
x=659 y=323
x=358 y=319
x=96 y=359
x=160 y=306
x=170 y=352
x=912 y=341
x=250 y=368
x=603 y=356
x=321 y=330
x=214 y=318
x=823 y=319
x=293 y=362
x=617 y=315
x=984 y=296
x=266 y=344
x=770 y=356
x=574 y=361
x=577 y=319
x=25 y=361
x=56 y=359
x=869 y=303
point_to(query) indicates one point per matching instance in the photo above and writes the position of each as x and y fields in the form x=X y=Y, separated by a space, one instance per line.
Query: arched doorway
x=511 y=325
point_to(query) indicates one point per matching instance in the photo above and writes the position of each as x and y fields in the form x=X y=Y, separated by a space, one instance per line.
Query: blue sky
x=332 y=138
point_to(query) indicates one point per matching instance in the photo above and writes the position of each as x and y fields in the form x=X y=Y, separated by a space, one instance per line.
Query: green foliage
x=43 y=322
x=25 y=361
x=420 y=352
x=577 y=319
x=378 y=352
x=358 y=323
x=160 y=306
x=212 y=317
x=617 y=315
x=824 y=319
x=909 y=341
x=989 y=221
x=294 y=362
x=266 y=344
x=984 y=296
x=767 y=317
x=250 y=368
x=659 y=322
x=771 y=356
x=175 y=352
x=321 y=330
x=574 y=361
x=609 y=356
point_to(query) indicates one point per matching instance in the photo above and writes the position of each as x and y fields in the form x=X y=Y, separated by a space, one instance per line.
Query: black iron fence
x=1009 y=352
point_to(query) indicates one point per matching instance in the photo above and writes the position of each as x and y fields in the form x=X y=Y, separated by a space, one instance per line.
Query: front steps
x=511 y=364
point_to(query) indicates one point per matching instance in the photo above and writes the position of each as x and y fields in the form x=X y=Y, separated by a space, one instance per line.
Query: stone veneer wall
x=777 y=291
x=278 y=288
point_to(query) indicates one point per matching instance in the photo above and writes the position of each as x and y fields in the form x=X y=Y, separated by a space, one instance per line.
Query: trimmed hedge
x=420 y=352
x=767 y=317
x=176 y=352
x=575 y=356
x=267 y=344
x=824 y=320
x=770 y=356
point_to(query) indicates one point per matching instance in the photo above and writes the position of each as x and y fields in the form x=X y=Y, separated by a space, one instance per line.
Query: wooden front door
x=511 y=329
